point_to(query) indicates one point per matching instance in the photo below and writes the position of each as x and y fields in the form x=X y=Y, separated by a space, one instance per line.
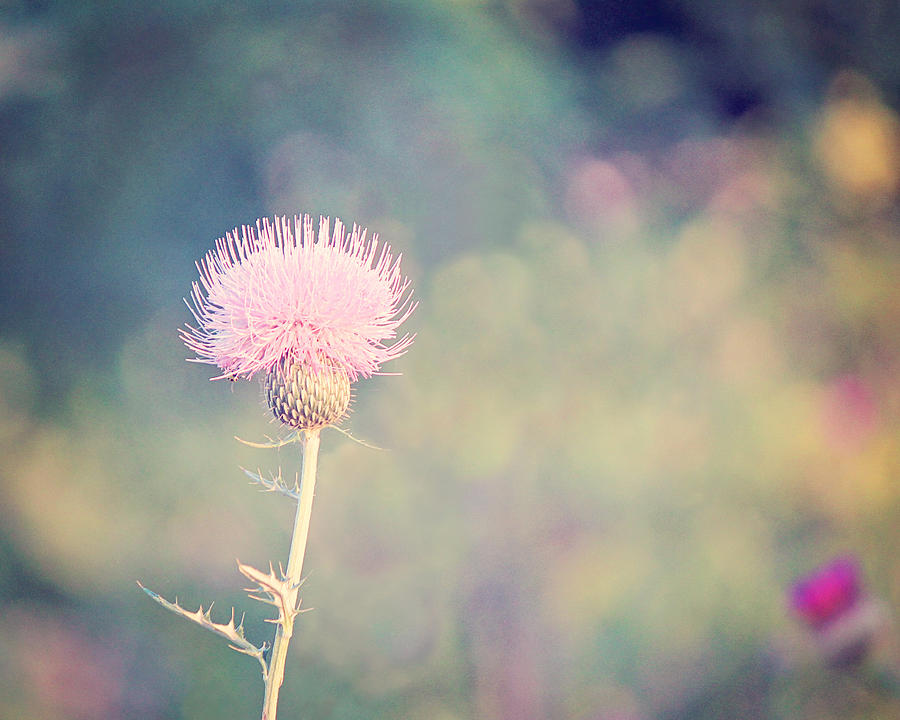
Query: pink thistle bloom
x=829 y=593
x=282 y=292
x=844 y=621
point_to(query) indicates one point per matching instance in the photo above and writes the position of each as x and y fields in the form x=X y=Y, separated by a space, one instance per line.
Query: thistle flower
x=828 y=593
x=313 y=311
x=844 y=621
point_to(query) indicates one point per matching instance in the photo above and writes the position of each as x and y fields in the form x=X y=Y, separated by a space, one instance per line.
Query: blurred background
x=656 y=376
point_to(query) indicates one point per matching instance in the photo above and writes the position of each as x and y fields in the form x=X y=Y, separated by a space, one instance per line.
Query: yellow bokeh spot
x=858 y=142
x=590 y=581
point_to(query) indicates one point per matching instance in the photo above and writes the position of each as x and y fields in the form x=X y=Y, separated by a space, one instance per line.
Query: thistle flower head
x=845 y=621
x=281 y=295
x=829 y=593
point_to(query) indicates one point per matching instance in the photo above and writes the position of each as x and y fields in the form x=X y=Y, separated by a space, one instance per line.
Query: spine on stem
x=292 y=577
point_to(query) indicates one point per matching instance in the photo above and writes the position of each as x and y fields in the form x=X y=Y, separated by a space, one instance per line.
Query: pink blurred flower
x=844 y=621
x=62 y=669
x=598 y=188
x=850 y=412
x=283 y=292
x=828 y=593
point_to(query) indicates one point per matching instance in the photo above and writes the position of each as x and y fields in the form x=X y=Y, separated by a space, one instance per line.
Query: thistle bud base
x=304 y=398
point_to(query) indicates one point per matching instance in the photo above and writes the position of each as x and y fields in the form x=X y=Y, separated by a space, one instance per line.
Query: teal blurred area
x=656 y=375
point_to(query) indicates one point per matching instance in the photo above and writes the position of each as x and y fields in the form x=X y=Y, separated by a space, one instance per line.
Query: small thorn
x=354 y=439
x=271 y=444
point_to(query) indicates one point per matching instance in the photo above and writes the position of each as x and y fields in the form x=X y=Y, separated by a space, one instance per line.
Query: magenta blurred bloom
x=285 y=295
x=844 y=620
x=829 y=593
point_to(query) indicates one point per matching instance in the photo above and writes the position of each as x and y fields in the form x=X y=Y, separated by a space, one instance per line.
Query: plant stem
x=275 y=675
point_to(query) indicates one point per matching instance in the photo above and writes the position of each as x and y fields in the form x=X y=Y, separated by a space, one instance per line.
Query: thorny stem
x=310 y=442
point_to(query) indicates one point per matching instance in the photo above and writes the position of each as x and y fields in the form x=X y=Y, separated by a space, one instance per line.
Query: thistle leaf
x=231 y=632
x=293 y=437
x=274 y=590
x=275 y=484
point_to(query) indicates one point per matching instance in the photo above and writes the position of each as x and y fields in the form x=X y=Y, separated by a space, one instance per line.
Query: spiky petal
x=280 y=292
